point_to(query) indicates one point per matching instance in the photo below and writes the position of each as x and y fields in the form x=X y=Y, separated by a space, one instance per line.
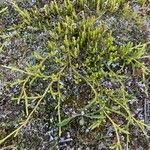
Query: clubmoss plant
x=82 y=51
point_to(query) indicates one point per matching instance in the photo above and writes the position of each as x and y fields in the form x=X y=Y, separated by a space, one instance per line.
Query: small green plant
x=84 y=50
x=3 y=10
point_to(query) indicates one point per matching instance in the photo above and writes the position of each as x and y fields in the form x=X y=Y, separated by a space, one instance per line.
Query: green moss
x=80 y=51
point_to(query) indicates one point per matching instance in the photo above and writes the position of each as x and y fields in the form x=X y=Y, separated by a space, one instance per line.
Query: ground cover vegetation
x=77 y=65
